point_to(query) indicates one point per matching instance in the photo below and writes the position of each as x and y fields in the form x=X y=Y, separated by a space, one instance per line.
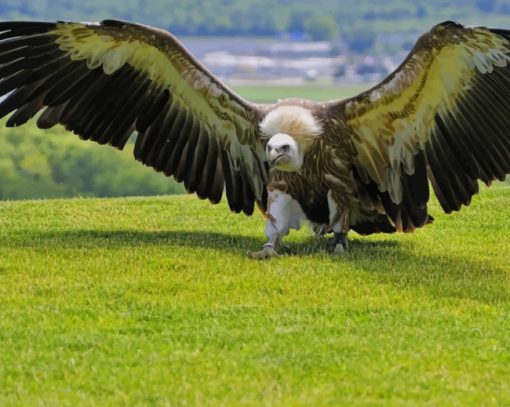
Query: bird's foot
x=267 y=252
x=340 y=244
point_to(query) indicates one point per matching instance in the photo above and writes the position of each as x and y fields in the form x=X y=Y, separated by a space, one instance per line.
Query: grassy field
x=154 y=301
x=270 y=94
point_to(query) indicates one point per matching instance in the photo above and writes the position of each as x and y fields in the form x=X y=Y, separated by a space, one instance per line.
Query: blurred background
x=265 y=50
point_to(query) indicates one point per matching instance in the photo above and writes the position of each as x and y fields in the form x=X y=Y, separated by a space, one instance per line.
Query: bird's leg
x=339 y=220
x=278 y=223
x=275 y=231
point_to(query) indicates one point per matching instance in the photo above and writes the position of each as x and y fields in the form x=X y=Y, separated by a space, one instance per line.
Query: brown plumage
x=362 y=163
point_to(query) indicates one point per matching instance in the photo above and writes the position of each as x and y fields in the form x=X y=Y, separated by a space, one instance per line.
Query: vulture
x=362 y=163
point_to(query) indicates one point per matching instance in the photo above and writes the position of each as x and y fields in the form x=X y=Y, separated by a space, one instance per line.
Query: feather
x=231 y=184
x=103 y=81
x=178 y=148
x=201 y=150
x=443 y=109
x=171 y=132
x=152 y=110
x=51 y=116
x=183 y=172
x=205 y=186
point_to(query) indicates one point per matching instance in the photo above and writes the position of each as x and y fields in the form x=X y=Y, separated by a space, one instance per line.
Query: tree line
x=323 y=19
x=53 y=163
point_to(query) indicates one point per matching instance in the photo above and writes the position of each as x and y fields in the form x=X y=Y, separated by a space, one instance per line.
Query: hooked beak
x=275 y=156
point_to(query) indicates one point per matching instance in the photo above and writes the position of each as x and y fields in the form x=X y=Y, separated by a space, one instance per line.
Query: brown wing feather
x=444 y=113
x=104 y=81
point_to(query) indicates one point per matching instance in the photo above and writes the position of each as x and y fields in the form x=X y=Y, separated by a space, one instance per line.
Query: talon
x=267 y=252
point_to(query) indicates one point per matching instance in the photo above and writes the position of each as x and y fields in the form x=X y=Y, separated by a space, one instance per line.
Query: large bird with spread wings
x=362 y=163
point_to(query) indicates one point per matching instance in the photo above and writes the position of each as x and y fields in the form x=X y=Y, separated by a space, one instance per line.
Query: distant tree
x=297 y=20
x=322 y=27
x=252 y=17
x=504 y=9
x=361 y=40
x=486 y=6
x=263 y=22
x=370 y=15
x=222 y=25
x=35 y=164
x=421 y=11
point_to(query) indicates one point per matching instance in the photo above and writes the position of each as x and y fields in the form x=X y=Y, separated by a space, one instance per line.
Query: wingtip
x=450 y=23
x=113 y=23
x=9 y=29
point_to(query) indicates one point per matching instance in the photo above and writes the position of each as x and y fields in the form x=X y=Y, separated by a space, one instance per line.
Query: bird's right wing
x=106 y=80
x=444 y=114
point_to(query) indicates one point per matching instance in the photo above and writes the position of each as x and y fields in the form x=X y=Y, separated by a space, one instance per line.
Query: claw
x=267 y=252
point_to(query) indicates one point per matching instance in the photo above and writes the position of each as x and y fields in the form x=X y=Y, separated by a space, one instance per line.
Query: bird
x=363 y=164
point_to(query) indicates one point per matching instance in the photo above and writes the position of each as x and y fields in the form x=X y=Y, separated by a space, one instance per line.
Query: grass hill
x=154 y=301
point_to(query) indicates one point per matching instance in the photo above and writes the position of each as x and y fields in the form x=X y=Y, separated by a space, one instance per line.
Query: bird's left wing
x=444 y=113
x=104 y=81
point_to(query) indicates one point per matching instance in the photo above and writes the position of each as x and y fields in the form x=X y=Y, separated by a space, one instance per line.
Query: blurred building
x=291 y=60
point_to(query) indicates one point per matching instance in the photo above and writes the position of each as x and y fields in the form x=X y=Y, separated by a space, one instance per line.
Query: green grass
x=270 y=94
x=153 y=301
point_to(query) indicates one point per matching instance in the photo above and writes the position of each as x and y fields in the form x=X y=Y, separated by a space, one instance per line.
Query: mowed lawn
x=271 y=94
x=154 y=301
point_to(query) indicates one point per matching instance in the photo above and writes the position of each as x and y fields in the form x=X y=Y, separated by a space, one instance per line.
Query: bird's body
x=324 y=191
x=362 y=163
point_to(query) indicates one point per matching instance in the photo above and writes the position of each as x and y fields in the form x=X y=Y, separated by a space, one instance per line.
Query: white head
x=291 y=130
x=283 y=153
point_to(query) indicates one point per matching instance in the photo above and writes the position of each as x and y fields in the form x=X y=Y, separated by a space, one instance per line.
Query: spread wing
x=107 y=80
x=444 y=113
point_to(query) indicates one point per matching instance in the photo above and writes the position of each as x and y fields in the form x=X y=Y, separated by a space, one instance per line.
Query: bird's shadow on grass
x=387 y=261
x=89 y=238
x=84 y=238
x=439 y=275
